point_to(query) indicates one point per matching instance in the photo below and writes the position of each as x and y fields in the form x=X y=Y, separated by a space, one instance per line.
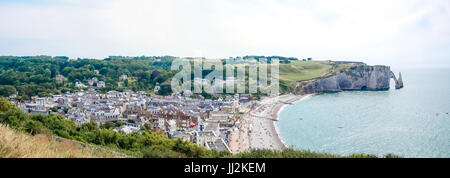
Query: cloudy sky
x=400 y=33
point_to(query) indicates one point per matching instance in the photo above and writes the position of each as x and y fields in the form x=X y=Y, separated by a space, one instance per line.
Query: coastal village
x=233 y=123
x=204 y=122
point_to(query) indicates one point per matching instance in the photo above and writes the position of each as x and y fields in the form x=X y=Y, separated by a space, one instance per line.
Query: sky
x=400 y=33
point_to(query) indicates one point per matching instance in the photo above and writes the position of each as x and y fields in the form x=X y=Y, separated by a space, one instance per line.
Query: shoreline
x=275 y=125
x=257 y=129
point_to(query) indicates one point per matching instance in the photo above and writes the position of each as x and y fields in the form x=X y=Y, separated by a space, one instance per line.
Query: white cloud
x=379 y=32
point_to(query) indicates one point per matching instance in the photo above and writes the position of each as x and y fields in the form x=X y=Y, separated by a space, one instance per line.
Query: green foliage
x=300 y=71
x=108 y=125
x=119 y=123
x=35 y=127
x=147 y=126
x=5 y=105
x=66 y=109
x=361 y=155
x=36 y=75
x=292 y=153
x=54 y=109
x=390 y=155
x=7 y=90
x=90 y=127
x=287 y=153
x=158 y=151
x=270 y=58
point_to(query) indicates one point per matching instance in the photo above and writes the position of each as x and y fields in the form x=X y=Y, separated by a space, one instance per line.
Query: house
x=204 y=136
x=13 y=96
x=210 y=140
x=156 y=88
x=244 y=98
x=183 y=136
x=101 y=84
x=80 y=85
x=123 y=77
x=128 y=129
x=213 y=127
x=92 y=81
x=218 y=144
x=187 y=93
x=60 y=101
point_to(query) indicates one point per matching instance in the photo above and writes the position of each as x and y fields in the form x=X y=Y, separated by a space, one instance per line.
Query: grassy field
x=299 y=73
x=16 y=144
x=304 y=70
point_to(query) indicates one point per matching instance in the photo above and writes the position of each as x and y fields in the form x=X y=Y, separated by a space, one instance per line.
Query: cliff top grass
x=298 y=73
x=304 y=70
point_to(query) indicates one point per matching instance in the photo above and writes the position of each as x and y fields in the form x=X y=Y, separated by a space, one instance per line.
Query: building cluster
x=92 y=83
x=202 y=121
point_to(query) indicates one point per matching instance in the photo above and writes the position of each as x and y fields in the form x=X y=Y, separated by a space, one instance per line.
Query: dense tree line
x=36 y=75
x=283 y=60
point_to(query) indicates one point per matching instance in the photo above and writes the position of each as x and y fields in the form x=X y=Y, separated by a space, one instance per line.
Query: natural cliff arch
x=399 y=81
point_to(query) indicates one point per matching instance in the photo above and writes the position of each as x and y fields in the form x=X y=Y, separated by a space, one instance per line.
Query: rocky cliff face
x=360 y=77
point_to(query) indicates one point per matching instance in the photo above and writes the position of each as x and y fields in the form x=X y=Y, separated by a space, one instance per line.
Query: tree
x=54 y=109
x=165 y=89
x=5 y=105
x=154 y=74
x=108 y=125
x=35 y=75
x=35 y=127
x=7 y=90
x=66 y=109
x=119 y=123
x=91 y=126
x=147 y=126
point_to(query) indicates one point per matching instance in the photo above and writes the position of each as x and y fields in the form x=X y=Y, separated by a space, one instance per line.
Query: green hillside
x=37 y=75
x=299 y=73
x=304 y=70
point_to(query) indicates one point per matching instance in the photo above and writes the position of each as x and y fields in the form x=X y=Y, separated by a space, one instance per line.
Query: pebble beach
x=257 y=130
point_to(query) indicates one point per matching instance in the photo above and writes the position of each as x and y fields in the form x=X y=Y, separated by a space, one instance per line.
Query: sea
x=411 y=122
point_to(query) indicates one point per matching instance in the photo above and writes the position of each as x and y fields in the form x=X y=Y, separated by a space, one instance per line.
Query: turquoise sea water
x=410 y=122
